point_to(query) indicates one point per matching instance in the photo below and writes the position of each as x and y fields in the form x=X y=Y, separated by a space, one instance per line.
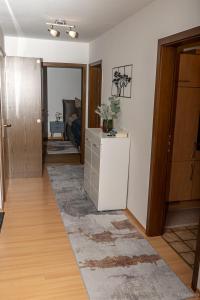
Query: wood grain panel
x=164 y=97
x=23 y=81
x=95 y=81
x=189 y=69
x=186 y=124
x=3 y=134
x=181 y=181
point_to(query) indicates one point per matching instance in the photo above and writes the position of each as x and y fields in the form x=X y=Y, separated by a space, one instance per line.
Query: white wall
x=62 y=84
x=48 y=50
x=134 y=41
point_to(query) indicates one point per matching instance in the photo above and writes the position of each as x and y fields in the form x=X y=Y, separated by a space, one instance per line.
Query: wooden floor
x=36 y=259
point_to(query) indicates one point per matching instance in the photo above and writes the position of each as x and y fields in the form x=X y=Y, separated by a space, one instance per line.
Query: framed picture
x=122 y=81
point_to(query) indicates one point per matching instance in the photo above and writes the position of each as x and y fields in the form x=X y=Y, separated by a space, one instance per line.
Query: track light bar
x=62 y=23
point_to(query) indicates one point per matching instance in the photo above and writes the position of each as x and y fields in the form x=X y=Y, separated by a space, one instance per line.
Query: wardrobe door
x=186 y=125
x=181 y=181
x=23 y=85
x=189 y=74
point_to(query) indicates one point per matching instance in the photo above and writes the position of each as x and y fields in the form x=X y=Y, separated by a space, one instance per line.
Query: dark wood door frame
x=163 y=125
x=164 y=110
x=83 y=68
x=197 y=262
x=94 y=120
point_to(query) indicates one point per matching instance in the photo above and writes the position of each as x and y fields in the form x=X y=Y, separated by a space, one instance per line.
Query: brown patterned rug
x=115 y=260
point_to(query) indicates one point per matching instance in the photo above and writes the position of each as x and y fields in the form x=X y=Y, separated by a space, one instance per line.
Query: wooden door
x=3 y=128
x=189 y=74
x=186 y=124
x=95 y=78
x=23 y=85
x=185 y=177
x=181 y=181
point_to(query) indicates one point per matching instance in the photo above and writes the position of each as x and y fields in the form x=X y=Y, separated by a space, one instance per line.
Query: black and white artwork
x=122 y=81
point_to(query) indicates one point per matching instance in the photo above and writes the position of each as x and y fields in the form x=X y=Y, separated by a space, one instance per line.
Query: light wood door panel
x=3 y=158
x=181 y=181
x=196 y=181
x=23 y=81
x=186 y=124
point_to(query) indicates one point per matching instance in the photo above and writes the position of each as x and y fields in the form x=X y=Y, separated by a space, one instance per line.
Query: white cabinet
x=106 y=169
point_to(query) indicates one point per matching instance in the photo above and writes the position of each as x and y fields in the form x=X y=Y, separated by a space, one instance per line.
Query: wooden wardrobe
x=185 y=162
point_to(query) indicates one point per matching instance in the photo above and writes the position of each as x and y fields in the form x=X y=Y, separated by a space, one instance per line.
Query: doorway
x=95 y=82
x=64 y=99
x=172 y=161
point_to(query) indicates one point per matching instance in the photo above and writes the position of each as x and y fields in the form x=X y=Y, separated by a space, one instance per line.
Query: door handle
x=7 y=125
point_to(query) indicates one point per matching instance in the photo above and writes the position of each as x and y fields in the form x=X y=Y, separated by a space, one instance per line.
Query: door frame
x=91 y=93
x=163 y=126
x=164 y=116
x=83 y=68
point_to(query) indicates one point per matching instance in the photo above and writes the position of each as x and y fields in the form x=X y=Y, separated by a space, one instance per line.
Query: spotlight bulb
x=53 y=32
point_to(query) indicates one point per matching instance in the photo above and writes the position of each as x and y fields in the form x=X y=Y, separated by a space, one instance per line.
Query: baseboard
x=135 y=221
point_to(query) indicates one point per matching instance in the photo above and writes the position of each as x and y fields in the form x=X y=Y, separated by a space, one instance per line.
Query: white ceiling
x=92 y=17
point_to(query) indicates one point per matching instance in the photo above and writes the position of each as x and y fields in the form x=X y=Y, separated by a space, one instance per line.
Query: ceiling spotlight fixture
x=53 y=32
x=72 y=33
x=62 y=23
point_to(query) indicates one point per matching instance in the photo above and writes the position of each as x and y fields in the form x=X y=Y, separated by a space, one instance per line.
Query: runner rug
x=115 y=260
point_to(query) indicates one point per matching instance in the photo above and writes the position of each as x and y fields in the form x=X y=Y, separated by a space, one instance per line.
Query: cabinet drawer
x=88 y=155
x=87 y=142
x=96 y=147
x=94 y=196
x=95 y=162
x=87 y=186
x=95 y=180
x=87 y=171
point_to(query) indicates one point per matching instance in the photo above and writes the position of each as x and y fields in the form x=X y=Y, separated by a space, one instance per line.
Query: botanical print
x=122 y=81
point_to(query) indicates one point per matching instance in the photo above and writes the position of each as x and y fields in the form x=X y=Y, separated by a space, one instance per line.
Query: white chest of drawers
x=106 y=169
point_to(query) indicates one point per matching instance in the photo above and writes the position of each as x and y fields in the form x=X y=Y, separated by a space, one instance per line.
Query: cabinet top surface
x=102 y=135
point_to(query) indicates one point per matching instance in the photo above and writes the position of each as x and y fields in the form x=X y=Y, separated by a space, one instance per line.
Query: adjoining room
x=62 y=112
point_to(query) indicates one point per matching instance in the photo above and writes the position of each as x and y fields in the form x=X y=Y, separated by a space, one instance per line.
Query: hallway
x=36 y=258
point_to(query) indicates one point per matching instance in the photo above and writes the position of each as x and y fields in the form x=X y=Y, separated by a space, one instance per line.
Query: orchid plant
x=109 y=110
